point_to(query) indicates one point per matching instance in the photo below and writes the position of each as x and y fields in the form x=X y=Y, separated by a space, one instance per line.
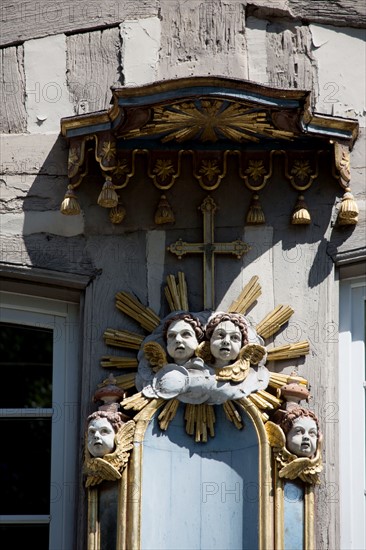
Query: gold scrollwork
x=105 y=151
x=342 y=164
x=254 y=171
x=164 y=168
x=125 y=169
x=210 y=168
x=76 y=158
x=300 y=172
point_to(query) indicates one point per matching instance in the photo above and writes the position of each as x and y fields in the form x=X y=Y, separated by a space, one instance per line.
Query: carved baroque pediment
x=216 y=122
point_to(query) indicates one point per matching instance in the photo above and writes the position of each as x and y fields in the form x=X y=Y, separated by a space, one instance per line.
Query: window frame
x=352 y=401
x=63 y=319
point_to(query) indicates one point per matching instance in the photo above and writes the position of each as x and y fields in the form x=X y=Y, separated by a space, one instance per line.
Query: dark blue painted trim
x=208 y=90
x=304 y=143
x=313 y=129
x=86 y=130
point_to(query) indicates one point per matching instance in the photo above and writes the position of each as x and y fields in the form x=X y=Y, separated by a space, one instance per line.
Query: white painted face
x=302 y=439
x=181 y=341
x=225 y=343
x=100 y=437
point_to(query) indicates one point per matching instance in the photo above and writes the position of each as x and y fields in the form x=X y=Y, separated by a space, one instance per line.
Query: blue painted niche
x=200 y=495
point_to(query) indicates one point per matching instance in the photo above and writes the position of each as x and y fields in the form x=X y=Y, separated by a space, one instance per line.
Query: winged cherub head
x=102 y=428
x=227 y=334
x=301 y=428
x=182 y=334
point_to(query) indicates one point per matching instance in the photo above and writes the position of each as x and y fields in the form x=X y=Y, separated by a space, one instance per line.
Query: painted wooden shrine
x=201 y=442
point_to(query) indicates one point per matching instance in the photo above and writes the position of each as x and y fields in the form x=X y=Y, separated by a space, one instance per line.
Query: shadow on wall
x=89 y=244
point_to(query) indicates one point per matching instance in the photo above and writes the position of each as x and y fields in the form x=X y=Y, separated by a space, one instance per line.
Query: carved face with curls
x=302 y=432
x=227 y=334
x=102 y=427
x=182 y=334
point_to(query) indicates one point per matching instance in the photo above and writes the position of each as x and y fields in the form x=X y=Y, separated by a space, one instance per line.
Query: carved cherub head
x=182 y=334
x=227 y=333
x=101 y=431
x=301 y=428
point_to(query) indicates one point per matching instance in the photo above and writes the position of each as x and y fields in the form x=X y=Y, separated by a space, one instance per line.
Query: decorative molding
x=212 y=119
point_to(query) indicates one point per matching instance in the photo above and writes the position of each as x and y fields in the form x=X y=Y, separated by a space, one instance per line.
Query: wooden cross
x=209 y=248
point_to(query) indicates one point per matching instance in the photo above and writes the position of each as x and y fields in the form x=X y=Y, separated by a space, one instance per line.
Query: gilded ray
x=232 y=414
x=277 y=380
x=288 y=351
x=145 y=316
x=247 y=297
x=118 y=362
x=209 y=120
x=168 y=413
x=125 y=381
x=122 y=338
x=273 y=321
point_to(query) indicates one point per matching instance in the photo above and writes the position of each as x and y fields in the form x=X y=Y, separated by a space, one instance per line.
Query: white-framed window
x=39 y=404
x=352 y=415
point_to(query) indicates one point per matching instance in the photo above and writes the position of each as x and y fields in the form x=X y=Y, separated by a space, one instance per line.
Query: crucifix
x=209 y=248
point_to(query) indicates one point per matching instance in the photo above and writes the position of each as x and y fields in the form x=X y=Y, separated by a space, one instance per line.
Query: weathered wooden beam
x=341 y=13
x=93 y=66
x=13 y=116
x=290 y=62
x=26 y=20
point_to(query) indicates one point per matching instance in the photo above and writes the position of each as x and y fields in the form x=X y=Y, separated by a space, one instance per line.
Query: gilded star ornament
x=255 y=169
x=120 y=169
x=163 y=168
x=209 y=169
x=108 y=150
x=301 y=169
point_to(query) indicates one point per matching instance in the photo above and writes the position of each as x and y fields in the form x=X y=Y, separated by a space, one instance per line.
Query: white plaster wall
x=47 y=98
x=155 y=256
x=140 y=50
x=33 y=184
x=255 y=32
x=341 y=60
x=28 y=223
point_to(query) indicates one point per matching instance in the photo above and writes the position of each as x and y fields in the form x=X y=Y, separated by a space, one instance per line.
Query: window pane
x=24 y=536
x=25 y=465
x=25 y=366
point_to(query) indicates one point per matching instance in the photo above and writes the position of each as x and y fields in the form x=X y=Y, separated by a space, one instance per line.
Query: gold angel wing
x=311 y=473
x=306 y=469
x=253 y=353
x=294 y=468
x=203 y=351
x=124 y=444
x=275 y=435
x=155 y=354
x=238 y=371
x=98 y=469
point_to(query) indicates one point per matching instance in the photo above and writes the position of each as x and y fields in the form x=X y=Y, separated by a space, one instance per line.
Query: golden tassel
x=348 y=212
x=255 y=214
x=108 y=197
x=301 y=214
x=117 y=214
x=70 y=205
x=164 y=212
